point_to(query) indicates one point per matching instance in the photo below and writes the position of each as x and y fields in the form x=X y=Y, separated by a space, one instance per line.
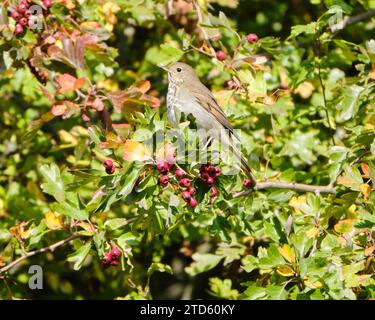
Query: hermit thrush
x=187 y=94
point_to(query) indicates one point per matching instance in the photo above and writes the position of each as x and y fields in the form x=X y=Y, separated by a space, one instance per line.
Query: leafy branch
x=29 y=254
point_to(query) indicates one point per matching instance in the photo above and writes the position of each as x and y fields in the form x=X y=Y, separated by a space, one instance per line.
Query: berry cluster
x=109 y=167
x=112 y=258
x=24 y=17
x=188 y=193
x=209 y=175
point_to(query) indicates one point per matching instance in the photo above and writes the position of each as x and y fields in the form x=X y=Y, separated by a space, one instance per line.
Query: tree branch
x=289 y=186
x=200 y=21
x=35 y=252
x=351 y=20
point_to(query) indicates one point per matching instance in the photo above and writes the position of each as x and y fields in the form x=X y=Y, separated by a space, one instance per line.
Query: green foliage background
x=316 y=86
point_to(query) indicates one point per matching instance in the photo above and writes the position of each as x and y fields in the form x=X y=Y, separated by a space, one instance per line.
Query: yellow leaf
x=285 y=270
x=365 y=189
x=54 y=220
x=369 y=250
x=288 y=253
x=344 y=226
x=33 y=188
x=351 y=212
x=296 y=202
x=87 y=226
x=20 y=231
x=135 y=151
x=305 y=89
x=312 y=233
x=313 y=285
x=67 y=137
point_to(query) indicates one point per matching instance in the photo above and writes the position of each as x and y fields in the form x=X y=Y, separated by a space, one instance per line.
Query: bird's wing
x=205 y=98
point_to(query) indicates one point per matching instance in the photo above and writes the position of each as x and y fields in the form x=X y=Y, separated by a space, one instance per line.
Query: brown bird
x=187 y=94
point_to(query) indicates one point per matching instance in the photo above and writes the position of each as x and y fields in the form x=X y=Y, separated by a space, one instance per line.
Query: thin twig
x=318 y=47
x=351 y=20
x=204 y=33
x=289 y=186
x=35 y=252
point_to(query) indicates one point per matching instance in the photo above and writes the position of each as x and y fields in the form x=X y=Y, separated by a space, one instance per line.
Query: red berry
x=213 y=192
x=115 y=262
x=192 y=202
x=162 y=166
x=23 y=21
x=27 y=13
x=47 y=3
x=110 y=170
x=185 y=182
x=108 y=163
x=21 y=8
x=179 y=173
x=203 y=169
x=18 y=29
x=186 y=195
x=247 y=183
x=252 y=38
x=164 y=180
x=116 y=252
x=212 y=171
x=15 y=15
x=107 y=258
x=210 y=180
x=221 y=55
x=192 y=191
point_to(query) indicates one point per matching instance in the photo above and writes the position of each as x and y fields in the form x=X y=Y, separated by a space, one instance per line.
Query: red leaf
x=58 y=109
x=69 y=83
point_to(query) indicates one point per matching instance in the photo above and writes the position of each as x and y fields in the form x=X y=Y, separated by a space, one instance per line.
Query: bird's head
x=180 y=72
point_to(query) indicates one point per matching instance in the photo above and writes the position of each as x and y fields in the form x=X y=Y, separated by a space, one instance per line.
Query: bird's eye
x=179 y=69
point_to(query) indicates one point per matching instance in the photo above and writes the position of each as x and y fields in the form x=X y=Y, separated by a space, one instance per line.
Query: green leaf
x=164 y=56
x=114 y=224
x=54 y=185
x=348 y=105
x=249 y=263
x=68 y=210
x=254 y=293
x=276 y=292
x=130 y=180
x=79 y=256
x=127 y=239
x=303 y=28
x=160 y=267
x=202 y=263
x=222 y=288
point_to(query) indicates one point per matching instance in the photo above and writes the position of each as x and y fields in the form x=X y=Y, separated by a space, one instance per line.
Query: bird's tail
x=244 y=164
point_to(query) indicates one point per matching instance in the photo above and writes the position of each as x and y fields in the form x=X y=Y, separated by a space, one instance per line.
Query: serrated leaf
x=79 y=256
x=54 y=185
x=202 y=263
x=160 y=267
